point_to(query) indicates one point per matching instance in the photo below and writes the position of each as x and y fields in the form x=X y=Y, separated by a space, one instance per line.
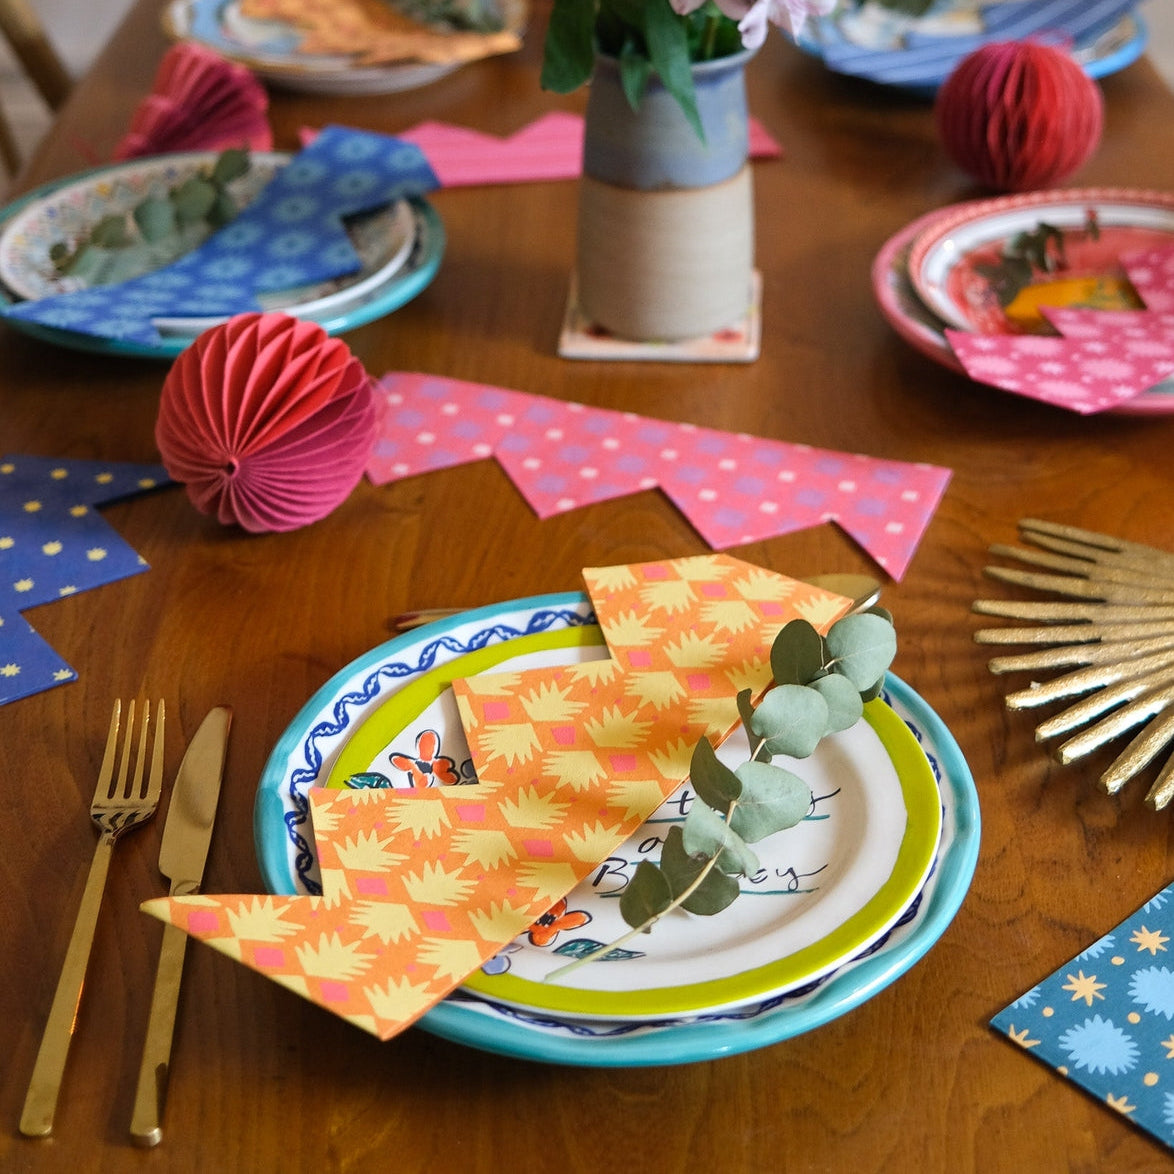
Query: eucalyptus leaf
x=773 y=799
x=223 y=211
x=157 y=231
x=646 y=895
x=193 y=199
x=155 y=218
x=132 y=261
x=110 y=232
x=862 y=647
x=482 y=16
x=87 y=263
x=843 y=698
x=706 y=833
x=792 y=719
x=758 y=748
x=679 y=868
x=797 y=654
x=716 y=785
x=712 y=895
x=230 y=164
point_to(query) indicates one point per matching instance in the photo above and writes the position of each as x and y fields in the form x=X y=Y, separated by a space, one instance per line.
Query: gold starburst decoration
x=1112 y=629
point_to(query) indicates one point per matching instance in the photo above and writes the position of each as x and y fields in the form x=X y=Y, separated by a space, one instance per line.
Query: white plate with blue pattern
x=308 y=751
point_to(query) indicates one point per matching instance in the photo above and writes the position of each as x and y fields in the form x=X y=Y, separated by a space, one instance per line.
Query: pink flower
x=753 y=16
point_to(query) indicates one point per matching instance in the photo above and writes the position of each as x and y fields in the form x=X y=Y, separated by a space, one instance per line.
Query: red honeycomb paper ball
x=267 y=421
x=1018 y=115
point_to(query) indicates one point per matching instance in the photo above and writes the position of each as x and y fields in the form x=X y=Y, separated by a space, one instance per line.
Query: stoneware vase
x=665 y=246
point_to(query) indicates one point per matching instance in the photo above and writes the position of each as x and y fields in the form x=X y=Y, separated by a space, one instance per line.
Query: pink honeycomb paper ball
x=267 y=421
x=1018 y=115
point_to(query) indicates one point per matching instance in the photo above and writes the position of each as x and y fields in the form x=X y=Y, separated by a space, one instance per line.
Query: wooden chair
x=23 y=31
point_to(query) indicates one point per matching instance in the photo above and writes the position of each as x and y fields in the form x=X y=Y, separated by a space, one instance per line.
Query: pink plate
x=959 y=268
x=923 y=329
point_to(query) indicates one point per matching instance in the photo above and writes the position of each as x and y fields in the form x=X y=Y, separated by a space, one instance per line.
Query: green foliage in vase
x=665 y=37
x=820 y=687
x=158 y=230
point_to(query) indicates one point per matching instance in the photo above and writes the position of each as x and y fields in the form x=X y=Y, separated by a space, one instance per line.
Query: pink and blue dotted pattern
x=732 y=487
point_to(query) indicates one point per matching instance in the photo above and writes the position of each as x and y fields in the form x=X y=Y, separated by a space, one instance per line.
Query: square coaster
x=737 y=343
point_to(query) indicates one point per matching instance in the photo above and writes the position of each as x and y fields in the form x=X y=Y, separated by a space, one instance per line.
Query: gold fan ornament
x=1112 y=629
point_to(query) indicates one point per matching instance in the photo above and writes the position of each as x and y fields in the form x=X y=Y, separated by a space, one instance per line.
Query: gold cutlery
x=119 y=804
x=187 y=833
x=863 y=590
x=1118 y=640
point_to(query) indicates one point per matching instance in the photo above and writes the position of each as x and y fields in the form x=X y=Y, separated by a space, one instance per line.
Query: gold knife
x=186 y=835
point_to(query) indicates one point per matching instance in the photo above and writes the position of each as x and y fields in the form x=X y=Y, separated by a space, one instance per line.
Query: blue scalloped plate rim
x=491 y=1027
x=416 y=275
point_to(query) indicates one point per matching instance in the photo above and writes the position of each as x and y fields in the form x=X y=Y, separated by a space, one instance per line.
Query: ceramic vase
x=665 y=246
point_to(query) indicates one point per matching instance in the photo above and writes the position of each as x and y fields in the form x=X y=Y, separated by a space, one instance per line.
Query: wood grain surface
x=912 y=1080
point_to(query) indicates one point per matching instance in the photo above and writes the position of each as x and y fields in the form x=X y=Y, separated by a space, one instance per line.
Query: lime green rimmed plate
x=828 y=890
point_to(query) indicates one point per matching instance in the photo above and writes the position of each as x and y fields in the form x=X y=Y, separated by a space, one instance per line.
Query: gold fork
x=119 y=804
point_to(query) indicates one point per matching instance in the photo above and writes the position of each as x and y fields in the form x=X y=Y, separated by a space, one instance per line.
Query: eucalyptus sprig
x=478 y=16
x=820 y=686
x=157 y=230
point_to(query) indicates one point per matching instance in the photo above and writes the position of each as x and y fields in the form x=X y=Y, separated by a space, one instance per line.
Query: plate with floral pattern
x=403 y=278
x=828 y=888
x=382 y=238
x=505 y=1030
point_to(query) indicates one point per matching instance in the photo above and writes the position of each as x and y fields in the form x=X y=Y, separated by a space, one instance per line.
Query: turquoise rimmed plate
x=313 y=749
x=403 y=282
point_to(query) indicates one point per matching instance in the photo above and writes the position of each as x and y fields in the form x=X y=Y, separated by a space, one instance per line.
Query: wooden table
x=913 y=1079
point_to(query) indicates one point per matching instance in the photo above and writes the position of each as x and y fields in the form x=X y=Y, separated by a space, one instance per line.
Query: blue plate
x=406 y=283
x=305 y=753
x=922 y=67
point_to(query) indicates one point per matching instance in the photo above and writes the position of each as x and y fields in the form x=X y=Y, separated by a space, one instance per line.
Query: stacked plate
x=400 y=247
x=845 y=902
x=950 y=269
x=877 y=41
x=270 y=48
